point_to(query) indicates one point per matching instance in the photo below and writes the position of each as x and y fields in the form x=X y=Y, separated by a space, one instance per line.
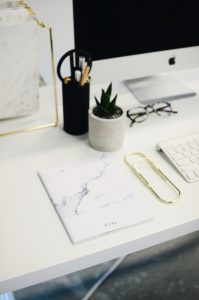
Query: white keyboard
x=183 y=153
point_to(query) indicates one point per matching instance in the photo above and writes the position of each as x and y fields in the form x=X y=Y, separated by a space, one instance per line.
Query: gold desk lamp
x=54 y=123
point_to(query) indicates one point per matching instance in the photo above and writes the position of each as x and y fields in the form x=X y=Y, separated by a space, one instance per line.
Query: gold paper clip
x=134 y=167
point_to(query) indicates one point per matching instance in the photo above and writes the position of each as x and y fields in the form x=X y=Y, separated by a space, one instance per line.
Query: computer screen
x=135 y=38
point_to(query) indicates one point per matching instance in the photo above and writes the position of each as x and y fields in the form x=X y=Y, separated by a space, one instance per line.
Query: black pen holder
x=75 y=107
x=76 y=94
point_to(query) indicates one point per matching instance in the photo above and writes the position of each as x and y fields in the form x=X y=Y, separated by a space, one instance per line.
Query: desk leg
x=8 y=296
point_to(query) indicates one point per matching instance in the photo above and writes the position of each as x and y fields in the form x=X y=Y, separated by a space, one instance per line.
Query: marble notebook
x=94 y=198
x=19 y=84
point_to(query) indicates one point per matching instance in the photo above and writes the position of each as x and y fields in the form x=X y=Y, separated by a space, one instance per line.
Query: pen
x=82 y=61
x=84 y=77
x=78 y=75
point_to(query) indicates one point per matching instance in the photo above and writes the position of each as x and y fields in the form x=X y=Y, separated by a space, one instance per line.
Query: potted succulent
x=106 y=123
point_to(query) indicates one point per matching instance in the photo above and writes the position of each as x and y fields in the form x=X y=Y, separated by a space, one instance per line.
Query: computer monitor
x=139 y=38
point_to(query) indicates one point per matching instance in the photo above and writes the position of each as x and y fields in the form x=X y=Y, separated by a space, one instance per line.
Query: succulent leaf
x=109 y=89
x=114 y=100
x=97 y=101
x=104 y=99
x=106 y=107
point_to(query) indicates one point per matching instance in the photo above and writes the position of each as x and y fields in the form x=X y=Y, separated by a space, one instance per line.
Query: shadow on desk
x=168 y=271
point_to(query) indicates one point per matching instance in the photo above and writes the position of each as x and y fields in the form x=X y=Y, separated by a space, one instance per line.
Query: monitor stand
x=162 y=87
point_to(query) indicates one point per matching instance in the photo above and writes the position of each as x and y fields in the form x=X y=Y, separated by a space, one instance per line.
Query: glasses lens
x=162 y=109
x=137 y=114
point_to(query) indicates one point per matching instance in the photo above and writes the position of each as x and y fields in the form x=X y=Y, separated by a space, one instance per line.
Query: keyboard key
x=197 y=172
x=184 y=155
x=183 y=162
x=177 y=156
x=191 y=175
x=190 y=167
x=194 y=159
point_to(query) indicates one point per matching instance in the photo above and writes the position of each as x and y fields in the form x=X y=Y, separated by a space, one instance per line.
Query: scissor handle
x=78 y=52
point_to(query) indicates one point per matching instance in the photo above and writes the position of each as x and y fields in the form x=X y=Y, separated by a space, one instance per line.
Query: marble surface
x=19 y=64
x=94 y=197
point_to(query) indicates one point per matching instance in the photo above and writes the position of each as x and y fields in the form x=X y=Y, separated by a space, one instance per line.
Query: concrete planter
x=105 y=134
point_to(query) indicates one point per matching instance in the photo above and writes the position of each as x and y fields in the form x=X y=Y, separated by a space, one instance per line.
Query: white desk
x=34 y=246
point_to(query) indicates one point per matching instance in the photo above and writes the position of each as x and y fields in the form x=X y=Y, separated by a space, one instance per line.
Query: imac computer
x=139 y=41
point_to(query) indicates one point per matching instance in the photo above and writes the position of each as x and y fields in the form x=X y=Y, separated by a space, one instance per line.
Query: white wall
x=58 y=14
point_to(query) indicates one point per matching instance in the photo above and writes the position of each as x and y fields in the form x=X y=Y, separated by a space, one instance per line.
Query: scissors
x=80 y=65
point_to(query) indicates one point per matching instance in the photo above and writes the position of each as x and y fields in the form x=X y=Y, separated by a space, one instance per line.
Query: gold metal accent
x=55 y=122
x=134 y=168
x=67 y=80
x=85 y=74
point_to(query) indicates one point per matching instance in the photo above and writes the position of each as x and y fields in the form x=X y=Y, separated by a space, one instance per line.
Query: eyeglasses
x=140 y=113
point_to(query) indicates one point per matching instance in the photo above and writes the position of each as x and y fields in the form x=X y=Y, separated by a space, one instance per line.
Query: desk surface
x=34 y=245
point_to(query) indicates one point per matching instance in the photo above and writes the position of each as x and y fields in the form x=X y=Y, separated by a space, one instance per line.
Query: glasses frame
x=148 y=109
